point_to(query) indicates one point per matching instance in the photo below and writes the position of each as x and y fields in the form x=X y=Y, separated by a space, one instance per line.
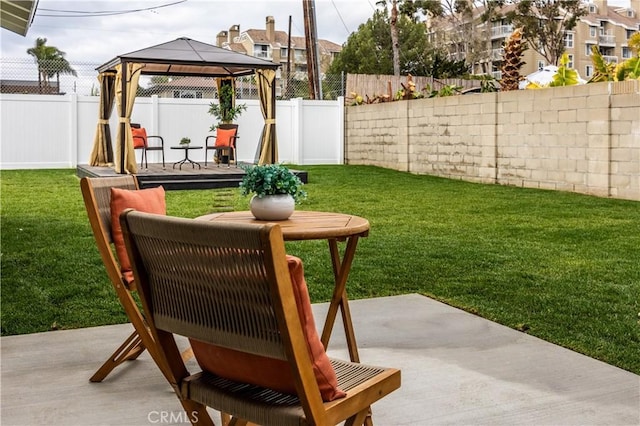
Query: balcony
x=262 y=55
x=607 y=39
x=501 y=31
x=497 y=75
x=610 y=59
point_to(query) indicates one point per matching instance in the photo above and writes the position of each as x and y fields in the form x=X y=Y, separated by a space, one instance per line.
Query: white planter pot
x=272 y=207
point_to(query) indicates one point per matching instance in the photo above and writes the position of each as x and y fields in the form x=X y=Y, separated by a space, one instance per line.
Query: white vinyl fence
x=45 y=131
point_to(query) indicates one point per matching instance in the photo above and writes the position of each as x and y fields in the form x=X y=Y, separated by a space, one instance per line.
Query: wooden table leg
x=339 y=299
x=341 y=269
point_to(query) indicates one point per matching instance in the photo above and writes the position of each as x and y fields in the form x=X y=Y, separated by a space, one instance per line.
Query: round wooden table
x=334 y=227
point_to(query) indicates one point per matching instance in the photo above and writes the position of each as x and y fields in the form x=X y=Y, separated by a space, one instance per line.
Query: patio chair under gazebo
x=182 y=57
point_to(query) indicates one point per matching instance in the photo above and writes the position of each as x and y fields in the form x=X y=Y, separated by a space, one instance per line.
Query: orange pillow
x=224 y=137
x=150 y=200
x=268 y=372
x=139 y=137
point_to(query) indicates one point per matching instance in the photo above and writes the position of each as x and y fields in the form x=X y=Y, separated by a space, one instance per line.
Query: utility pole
x=288 y=91
x=311 y=40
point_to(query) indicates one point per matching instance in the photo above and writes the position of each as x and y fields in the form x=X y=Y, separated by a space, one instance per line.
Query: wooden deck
x=188 y=177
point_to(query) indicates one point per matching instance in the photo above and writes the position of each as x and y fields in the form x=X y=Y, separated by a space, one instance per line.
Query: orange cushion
x=268 y=372
x=150 y=200
x=139 y=137
x=224 y=137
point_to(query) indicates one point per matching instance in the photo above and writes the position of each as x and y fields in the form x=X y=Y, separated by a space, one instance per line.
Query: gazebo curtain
x=267 y=91
x=102 y=152
x=125 y=159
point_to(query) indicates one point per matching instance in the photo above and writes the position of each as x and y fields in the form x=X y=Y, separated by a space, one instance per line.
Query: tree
x=442 y=67
x=627 y=70
x=408 y=9
x=51 y=62
x=367 y=51
x=458 y=31
x=544 y=22
x=512 y=61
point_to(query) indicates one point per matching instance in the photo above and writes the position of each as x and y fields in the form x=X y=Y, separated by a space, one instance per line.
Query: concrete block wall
x=379 y=136
x=583 y=139
x=454 y=137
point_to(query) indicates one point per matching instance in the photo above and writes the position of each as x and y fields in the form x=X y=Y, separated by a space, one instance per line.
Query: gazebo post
x=123 y=114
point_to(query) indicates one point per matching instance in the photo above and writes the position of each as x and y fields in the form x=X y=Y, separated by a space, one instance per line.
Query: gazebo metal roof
x=188 y=57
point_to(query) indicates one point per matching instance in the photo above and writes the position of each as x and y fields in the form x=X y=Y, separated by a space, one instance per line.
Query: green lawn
x=560 y=266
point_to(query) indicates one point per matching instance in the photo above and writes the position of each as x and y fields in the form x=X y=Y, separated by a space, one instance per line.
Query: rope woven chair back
x=229 y=285
x=101 y=194
x=212 y=285
x=96 y=193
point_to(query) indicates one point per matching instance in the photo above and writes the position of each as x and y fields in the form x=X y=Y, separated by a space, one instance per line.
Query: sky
x=99 y=39
x=126 y=26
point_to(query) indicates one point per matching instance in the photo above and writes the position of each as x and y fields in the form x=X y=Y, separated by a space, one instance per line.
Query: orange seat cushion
x=150 y=200
x=139 y=137
x=274 y=373
x=224 y=137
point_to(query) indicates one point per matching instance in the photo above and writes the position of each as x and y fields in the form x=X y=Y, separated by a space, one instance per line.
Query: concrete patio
x=457 y=369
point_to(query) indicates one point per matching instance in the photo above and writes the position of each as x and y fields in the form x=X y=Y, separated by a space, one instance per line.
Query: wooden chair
x=141 y=141
x=96 y=193
x=229 y=285
x=223 y=143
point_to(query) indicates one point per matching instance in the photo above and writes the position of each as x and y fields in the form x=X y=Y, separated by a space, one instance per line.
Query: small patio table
x=334 y=227
x=186 y=159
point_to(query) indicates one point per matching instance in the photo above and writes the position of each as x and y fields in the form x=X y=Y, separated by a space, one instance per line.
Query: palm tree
x=51 y=62
x=409 y=9
x=395 y=46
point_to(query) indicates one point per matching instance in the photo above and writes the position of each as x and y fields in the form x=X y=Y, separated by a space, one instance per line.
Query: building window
x=630 y=33
x=570 y=64
x=283 y=52
x=540 y=65
x=261 y=51
x=626 y=52
x=568 y=40
x=588 y=70
x=593 y=8
x=593 y=32
x=587 y=49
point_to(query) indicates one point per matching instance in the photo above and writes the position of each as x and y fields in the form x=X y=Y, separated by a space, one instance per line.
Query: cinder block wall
x=582 y=139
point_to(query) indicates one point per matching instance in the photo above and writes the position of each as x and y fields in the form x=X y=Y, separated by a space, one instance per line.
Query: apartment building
x=272 y=45
x=608 y=27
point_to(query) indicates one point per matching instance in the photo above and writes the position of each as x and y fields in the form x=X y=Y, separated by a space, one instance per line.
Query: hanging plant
x=224 y=110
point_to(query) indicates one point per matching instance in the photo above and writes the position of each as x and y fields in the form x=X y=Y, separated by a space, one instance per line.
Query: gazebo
x=181 y=57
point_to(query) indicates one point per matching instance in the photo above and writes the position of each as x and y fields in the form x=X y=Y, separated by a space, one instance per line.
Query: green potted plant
x=224 y=110
x=275 y=189
x=185 y=141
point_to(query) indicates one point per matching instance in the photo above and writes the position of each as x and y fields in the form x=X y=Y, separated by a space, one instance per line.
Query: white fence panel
x=87 y=124
x=43 y=131
x=323 y=131
x=28 y=125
